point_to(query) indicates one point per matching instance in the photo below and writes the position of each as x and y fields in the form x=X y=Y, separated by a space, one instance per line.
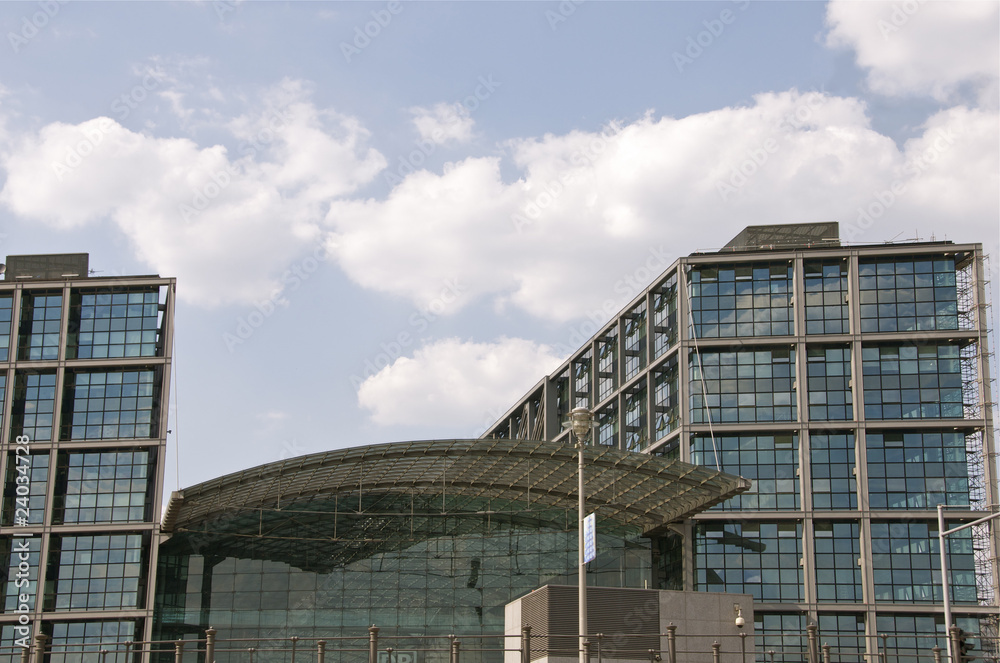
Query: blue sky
x=393 y=235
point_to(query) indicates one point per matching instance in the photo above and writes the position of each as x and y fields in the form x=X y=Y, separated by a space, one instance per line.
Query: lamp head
x=581 y=420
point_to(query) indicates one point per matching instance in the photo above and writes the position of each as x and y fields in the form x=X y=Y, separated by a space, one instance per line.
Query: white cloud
x=455 y=382
x=443 y=123
x=227 y=226
x=571 y=237
x=921 y=48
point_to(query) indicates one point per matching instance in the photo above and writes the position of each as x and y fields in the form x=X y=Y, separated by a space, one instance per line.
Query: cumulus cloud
x=443 y=123
x=227 y=225
x=921 y=48
x=571 y=236
x=461 y=383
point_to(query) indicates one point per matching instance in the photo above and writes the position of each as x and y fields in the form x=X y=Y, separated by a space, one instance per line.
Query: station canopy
x=350 y=501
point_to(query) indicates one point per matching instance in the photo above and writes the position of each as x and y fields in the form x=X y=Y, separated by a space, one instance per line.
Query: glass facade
x=759 y=558
x=664 y=303
x=838 y=549
x=743 y=386
x=104 y=486
x=906 y=563
x=20 y=557
x=666 y=398
x=742 y=300
x=770 y=461
x=829 y=383
x=634 y=341
x=34 y=405
x=826 y=301
x=25 y=488
x=107 y=323
x=909 y=470
x=41 y=319
x=903 y=294
x=95 y=572
x=105 y=405
x=827 y=375
x=393 y=560
x=634 y=425
x=84 y=369
x=912 y=381
x=833 y=469
x=6 y=316
x=85 y=641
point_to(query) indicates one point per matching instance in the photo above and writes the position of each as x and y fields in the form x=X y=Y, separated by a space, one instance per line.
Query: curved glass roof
x=636 y=490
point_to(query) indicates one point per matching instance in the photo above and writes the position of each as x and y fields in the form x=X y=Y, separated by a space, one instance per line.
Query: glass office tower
x=84 y=374
x=851 y=384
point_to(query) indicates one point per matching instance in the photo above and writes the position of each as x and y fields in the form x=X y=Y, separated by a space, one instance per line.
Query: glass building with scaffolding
x=84 y=374
x=851 y=384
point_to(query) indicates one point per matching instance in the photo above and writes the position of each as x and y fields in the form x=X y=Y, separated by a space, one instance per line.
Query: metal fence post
x=884 y=653
x=586 y=650
x=672 y=642
x=526 y=644
x=24 y=654
x=178 y=651
x=715 y=651
x=937 y=654
x=600 y=654
x=40 y=647
x=210 y=645
x=320 y=651
x=826 y=653
x=454 y=649
x=373 y=644
x=294 y=640
x=953 y=635
x=654 y=656
x=812 y=642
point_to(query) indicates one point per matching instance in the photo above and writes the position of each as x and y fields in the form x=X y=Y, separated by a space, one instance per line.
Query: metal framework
x=631 y=489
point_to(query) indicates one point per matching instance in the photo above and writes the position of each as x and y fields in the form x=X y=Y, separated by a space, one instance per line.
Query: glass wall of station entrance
x=411 y=563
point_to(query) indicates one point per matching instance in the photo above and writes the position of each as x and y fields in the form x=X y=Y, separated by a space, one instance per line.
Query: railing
x=375 y=647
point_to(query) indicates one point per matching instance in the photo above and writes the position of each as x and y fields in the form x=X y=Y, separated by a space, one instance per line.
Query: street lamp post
x=581 y=422
x=945 y=591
